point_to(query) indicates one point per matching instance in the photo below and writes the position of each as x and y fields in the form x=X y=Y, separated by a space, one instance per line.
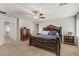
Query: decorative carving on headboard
x=51 y=28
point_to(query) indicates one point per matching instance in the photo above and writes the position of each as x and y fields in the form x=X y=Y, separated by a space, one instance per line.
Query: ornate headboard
x=53 y=28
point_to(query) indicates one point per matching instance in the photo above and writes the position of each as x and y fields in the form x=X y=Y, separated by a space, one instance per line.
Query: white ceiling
x=52 y=10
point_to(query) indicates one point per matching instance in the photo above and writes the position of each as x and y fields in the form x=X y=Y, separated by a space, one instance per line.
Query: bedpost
x=58 y=47
x=60 y=33
x=30 y=40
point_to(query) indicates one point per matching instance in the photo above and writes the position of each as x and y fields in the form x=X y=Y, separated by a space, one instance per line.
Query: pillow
x=50 y=33
x=53 y=33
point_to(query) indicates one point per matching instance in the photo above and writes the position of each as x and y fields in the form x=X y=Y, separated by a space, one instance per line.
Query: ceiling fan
x=37 y=14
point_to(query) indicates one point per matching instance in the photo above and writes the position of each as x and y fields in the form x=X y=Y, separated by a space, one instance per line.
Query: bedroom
x=35 y=16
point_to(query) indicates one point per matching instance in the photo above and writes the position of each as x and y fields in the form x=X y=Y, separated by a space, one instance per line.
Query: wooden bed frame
x=52 y=44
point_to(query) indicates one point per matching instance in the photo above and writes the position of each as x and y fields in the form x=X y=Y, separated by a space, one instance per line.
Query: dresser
x=25 y=33
x=69 y=40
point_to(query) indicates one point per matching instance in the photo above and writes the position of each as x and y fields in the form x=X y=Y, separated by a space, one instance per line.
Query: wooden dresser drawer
x=69 y=39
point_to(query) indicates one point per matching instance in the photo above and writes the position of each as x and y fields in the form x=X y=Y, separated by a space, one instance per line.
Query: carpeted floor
x=17 y=48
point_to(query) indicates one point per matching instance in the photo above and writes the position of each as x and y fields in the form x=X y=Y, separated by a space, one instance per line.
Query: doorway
x=10 y=30
x=37 y=28
x=7 y=30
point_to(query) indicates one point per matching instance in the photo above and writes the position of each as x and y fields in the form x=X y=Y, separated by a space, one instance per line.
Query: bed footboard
x=51 y=45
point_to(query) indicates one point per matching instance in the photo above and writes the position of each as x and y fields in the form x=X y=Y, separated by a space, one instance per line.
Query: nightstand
x=69 y=40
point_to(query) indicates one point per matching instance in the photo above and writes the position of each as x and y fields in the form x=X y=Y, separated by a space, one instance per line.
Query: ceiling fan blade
x=29 y=16
x=62 y=4
x=42 y=17
x=2 y=12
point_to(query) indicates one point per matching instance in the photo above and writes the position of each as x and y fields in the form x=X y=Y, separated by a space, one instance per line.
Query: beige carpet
x=17 y=48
